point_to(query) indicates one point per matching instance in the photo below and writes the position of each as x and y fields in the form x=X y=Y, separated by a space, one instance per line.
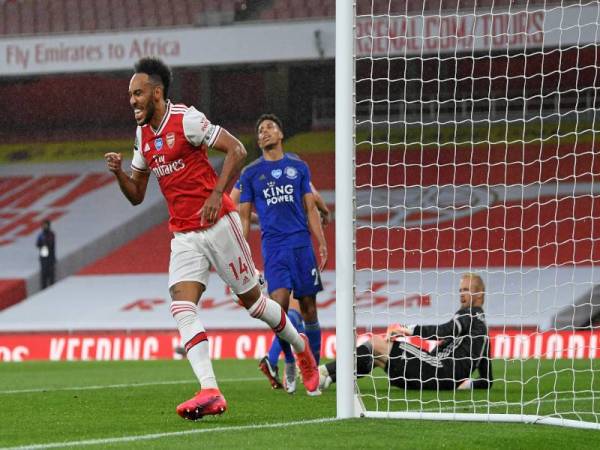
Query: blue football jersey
x=276 y=188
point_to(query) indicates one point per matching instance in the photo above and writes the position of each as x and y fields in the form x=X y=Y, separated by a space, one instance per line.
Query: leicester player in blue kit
x=278 y=185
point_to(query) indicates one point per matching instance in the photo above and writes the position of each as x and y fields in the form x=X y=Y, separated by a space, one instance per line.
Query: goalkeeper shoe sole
x=272 y=373
x=207 y=402
x=308 y=369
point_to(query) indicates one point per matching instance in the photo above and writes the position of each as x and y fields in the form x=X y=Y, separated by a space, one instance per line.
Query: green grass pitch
x=132 y=405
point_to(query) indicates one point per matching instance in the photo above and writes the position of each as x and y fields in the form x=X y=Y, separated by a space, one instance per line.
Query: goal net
x=473 y=125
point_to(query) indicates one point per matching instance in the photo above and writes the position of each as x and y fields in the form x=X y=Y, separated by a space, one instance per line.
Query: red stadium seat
x=88 y=15
x=149 y=14
x=133 y=9
x=466 y=5
x=298 y=9
x=57 y=17
x=195 y=8
x=227 y=5
x=181 y=13
x=166 y=13
x=27 y=18
x=103 y=20
x=41 y=16
x=72 y=15
x=118 y=15
x=267 y=14
x=12 y=22
x=318 y=8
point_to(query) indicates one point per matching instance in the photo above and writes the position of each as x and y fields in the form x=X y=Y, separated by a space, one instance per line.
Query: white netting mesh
x=476 y=134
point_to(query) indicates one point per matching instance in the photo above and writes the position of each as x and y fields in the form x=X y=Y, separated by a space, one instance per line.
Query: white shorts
x=221 y=246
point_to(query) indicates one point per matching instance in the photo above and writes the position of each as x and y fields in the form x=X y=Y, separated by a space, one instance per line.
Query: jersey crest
x=291 y=172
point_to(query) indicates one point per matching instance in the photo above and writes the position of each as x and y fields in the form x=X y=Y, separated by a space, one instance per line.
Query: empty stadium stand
x=127 y=289
x=68 y=194
x=78 y=16
x=59 y=106
x=298 y=9
x=367 y=7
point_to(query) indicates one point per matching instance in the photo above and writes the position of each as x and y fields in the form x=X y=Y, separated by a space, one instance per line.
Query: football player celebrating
x=171 y=142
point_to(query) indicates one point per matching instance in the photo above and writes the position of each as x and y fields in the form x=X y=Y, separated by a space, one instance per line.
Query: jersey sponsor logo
x=291 y=172
x=167 y=169
x=170 y=139
x=276 y=173
x=146 y=148
x=158 y=143
x=278 y=194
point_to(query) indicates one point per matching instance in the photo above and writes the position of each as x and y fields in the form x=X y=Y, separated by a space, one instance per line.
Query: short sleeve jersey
x=176 y=153
x=277 y=188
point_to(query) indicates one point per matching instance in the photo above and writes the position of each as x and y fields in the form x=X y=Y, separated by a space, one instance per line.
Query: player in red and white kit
x=171 y=142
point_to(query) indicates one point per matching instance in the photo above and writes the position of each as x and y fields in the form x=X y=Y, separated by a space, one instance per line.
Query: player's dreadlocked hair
x=157 y=70
x=272 y=117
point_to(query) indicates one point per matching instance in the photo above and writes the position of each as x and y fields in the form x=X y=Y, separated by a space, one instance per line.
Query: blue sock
x=274 y=352
x=287 y=351
x=313 y=332
x=297 y=320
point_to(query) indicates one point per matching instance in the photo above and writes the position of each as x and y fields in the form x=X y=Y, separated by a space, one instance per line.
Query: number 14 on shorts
x=241 y=269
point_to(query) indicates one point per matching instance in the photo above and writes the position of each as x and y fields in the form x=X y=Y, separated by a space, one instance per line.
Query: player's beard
x=150 y=109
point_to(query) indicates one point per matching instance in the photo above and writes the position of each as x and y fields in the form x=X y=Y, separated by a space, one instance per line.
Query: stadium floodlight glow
x=465 y=144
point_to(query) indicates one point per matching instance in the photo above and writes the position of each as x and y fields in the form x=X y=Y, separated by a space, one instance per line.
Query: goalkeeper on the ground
x=463 y=348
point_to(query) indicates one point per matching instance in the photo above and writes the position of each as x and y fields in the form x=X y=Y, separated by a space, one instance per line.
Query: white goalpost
x=466 y=134
x=344 y=200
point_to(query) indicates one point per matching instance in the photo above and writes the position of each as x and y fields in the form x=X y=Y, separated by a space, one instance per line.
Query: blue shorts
x=294 y=269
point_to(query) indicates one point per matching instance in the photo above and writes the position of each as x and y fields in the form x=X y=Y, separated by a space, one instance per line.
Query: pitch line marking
x=148 y=437
x=120 y=386
x=198 y=431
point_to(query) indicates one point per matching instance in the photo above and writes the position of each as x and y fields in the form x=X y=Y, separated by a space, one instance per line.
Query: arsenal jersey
x=176 y=153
